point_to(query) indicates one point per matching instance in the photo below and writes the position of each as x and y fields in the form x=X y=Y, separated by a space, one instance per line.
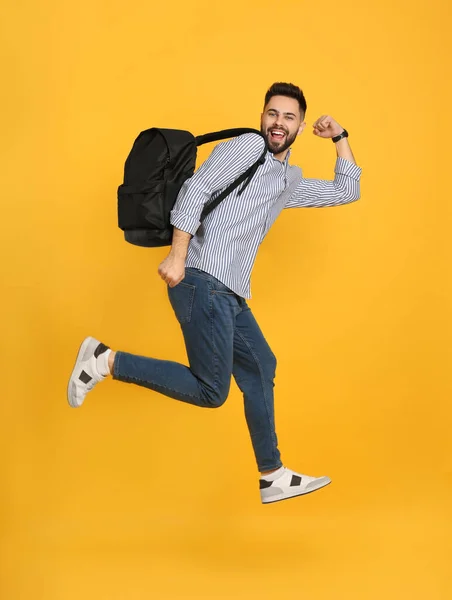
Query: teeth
x=280 y=133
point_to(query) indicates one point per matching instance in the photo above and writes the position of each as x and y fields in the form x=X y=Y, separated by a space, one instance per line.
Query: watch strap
x=340 y=136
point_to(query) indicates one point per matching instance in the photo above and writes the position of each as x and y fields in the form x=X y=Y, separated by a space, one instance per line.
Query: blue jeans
x=222 y=338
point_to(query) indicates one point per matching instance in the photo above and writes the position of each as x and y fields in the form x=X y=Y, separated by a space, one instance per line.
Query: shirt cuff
x=345 y=167
x=184 y=222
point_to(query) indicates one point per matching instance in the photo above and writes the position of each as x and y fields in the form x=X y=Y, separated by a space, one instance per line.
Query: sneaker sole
x=325 y=481
x=73 y=376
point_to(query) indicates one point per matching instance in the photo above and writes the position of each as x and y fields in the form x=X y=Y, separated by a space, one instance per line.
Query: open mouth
x=277 y=135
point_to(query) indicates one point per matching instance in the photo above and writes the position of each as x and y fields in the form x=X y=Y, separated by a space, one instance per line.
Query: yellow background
x=136 y=496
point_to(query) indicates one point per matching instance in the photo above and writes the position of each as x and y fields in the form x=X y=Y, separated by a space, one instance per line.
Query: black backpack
x=157 y=166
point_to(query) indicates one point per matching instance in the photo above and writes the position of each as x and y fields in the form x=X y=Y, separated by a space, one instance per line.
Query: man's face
x=281 y=122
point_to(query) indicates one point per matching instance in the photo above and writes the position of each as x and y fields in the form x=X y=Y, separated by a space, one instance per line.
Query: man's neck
x=282 y=156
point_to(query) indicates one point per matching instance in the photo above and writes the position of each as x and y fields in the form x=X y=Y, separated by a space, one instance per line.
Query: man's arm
x=345 y=187
x=227 y=161
x=343 y=150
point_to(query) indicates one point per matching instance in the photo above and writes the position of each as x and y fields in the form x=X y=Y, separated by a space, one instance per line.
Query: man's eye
x=290 y=118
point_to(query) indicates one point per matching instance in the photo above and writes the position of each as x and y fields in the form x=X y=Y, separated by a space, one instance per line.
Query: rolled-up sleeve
x=318 y=193
x=227 y=161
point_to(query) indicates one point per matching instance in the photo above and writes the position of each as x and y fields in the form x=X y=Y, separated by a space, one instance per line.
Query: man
x=208 y=276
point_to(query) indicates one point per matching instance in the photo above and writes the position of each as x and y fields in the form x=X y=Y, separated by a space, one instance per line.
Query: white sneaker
x=85 y=374
x=288 y=485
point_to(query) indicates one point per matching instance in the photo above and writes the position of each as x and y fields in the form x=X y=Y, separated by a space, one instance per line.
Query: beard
x=276 y=146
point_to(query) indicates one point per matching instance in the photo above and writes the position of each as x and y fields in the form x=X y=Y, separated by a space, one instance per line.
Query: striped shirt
x=225 y=244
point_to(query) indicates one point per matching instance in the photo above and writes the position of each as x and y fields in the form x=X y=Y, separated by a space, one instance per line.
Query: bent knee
x=269 y=365
x=214 y=398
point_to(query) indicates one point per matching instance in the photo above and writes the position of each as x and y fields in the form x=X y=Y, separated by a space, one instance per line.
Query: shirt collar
x=285 y=161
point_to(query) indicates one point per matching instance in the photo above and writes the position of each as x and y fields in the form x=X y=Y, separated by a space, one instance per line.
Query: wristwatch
x=340 y=136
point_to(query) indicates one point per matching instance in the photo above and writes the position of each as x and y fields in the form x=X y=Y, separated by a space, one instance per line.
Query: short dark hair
x=290 y=90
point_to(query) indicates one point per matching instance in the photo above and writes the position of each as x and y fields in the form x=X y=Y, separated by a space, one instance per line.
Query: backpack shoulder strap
x=248 y=174
x=224 y=134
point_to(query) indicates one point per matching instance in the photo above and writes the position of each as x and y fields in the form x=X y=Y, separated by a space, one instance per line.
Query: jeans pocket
x=221 y=288
x=182 y=297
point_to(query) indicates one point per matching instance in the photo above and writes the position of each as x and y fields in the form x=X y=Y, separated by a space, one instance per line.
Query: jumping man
x=208 y=271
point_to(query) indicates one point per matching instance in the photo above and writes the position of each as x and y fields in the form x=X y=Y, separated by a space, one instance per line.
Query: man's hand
x=172 y=269
x=327 y=127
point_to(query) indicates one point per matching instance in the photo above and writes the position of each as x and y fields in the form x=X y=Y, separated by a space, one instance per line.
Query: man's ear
x=302 y=126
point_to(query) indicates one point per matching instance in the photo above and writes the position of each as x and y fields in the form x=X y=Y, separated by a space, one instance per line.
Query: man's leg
x=206 y=313
x=254 y=368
